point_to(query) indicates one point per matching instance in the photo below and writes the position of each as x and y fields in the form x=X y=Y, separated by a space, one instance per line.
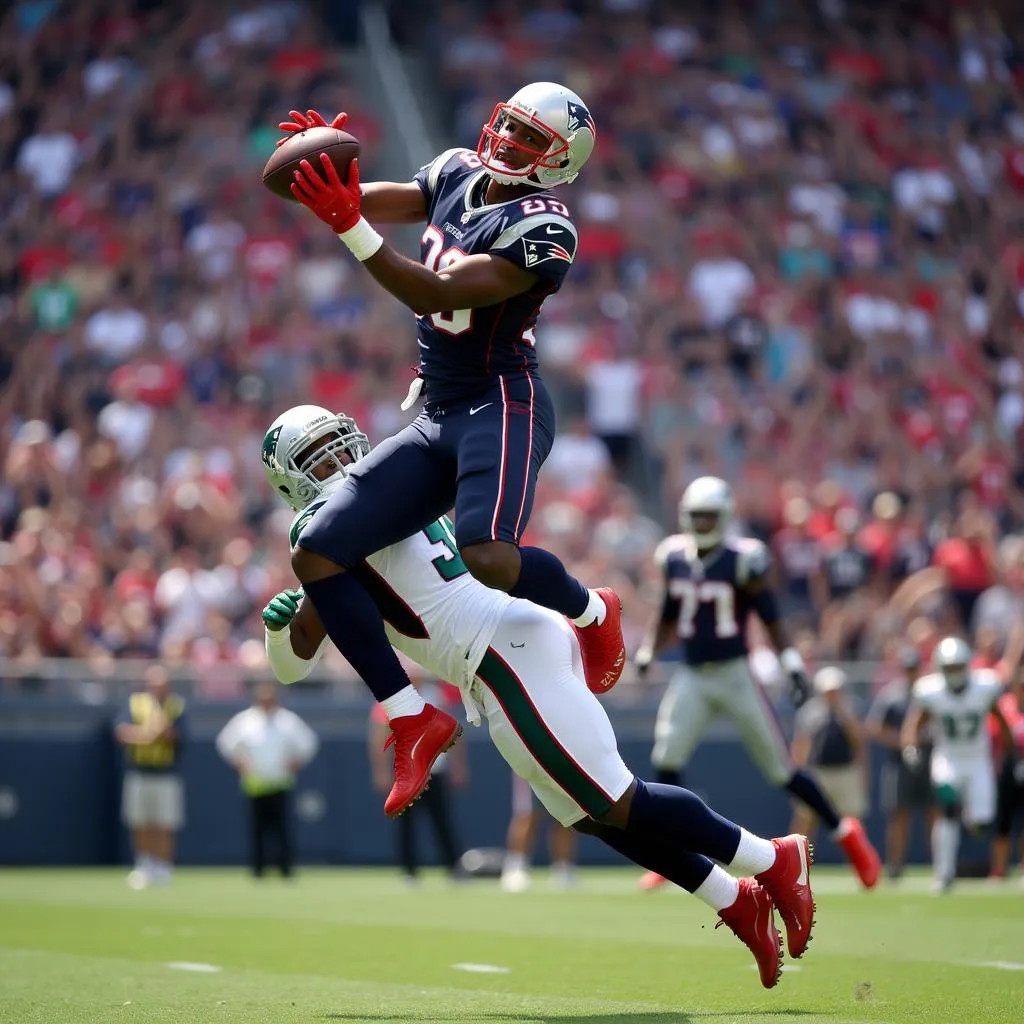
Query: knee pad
x=948 y=799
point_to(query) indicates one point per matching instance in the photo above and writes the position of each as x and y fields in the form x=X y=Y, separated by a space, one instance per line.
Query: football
x=279 y=172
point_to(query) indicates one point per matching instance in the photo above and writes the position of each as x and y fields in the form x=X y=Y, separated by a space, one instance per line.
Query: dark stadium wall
x=60 y=787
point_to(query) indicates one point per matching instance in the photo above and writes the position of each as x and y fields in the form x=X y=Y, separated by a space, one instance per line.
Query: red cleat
x=419 y=740
x=788 y=882
x=860 y=853
x=602 y=646
x=752 y=921
x=652 y=880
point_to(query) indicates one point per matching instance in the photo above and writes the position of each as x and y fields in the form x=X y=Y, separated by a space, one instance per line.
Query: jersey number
x=438 y=258
x=692 y=595
x=961 y=727
x=449 y=563
x=532 y=206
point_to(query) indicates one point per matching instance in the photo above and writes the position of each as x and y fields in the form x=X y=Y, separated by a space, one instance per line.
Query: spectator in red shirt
x=968 y=559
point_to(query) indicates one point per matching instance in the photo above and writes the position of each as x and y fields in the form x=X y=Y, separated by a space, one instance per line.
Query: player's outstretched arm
x=393 y=202
x=473 y=282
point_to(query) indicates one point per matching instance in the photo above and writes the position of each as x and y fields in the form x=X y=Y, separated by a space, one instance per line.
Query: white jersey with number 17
x=960 y=727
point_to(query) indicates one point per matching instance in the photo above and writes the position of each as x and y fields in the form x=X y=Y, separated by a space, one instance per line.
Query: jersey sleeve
x=753 y=564
x=665 y=549
x=545 y=243
x=428 y=177
x=924 y=693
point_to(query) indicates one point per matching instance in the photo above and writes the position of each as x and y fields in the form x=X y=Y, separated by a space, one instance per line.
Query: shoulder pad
x=540 y=236
x=753 y=560
x=432 y=172
x=300 y=522
x=676 y=543
x=927 y=686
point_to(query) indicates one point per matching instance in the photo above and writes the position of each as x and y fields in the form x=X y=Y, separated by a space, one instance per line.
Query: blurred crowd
x=801 y=269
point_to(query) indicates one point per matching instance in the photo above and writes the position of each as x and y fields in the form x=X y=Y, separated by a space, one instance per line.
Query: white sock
x=406 y=702
x=945 y=844
x=842 y=829
x=719 y=890
x=595 y=611
x=514 y=862
x=753 y=855
x=145 y=863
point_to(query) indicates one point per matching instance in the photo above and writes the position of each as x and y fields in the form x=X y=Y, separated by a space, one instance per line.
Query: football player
x=497 y=243
x=958 y=699
x=712 y=584
x=521 y=666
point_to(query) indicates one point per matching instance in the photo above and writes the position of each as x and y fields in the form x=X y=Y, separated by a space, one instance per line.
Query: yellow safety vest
x=159 y=753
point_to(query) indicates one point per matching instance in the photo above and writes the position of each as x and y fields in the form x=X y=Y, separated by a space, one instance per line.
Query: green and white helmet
x=952 y=658
x=302 y=452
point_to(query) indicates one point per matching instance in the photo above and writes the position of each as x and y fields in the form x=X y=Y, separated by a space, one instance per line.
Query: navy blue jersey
x=710 y=599
x=464 y=351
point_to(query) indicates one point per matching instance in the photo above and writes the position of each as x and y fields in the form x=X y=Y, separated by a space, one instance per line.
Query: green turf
x=79 y=946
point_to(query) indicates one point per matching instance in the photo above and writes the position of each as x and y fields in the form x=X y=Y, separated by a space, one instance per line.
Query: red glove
x=310 y=119
x=335 y=202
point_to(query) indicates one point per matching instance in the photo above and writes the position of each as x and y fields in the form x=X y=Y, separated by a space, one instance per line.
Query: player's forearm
x=779 y=634
x=910 y=734
x=285 y=661
x=411 y=283
x=662 y=637
x=392 y=202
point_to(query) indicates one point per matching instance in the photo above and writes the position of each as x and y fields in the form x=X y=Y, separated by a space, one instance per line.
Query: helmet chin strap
x=513 y=179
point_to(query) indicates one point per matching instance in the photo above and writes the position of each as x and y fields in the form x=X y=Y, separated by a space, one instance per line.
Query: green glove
x=282 y=609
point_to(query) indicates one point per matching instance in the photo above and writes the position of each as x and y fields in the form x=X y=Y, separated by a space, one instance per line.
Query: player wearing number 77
x=713 y=583
x=497 y=243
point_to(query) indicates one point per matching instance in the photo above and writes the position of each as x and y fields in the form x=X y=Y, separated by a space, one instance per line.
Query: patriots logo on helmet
x=579 y=115
x=539 y=251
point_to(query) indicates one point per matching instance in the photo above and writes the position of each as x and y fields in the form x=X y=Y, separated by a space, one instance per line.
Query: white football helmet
x=302 y=452
x=561 y=115
x=705 y=511
x=952 y=658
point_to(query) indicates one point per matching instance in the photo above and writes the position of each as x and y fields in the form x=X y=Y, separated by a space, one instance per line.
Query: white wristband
x=791 y=660
x=286 y=665
x=362 y=241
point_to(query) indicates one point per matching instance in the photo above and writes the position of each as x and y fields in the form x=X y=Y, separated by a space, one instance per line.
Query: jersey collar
x=469 y=210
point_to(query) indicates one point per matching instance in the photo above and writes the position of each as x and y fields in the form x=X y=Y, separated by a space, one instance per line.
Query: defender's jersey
x=960 y=718
x=464 y=351
x=434 y=611
x=713 y=596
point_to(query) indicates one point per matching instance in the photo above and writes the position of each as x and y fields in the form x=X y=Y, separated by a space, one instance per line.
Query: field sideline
x=357 y=945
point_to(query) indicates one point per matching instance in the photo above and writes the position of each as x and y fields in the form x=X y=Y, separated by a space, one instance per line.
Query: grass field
x=357 y=945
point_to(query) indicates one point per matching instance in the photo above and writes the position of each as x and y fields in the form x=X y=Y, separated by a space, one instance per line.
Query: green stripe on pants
x=511 y=694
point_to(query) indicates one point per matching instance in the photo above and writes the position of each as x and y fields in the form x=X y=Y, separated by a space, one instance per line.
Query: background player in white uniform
x=522 y=666
x=713 y=583
x=958 y=699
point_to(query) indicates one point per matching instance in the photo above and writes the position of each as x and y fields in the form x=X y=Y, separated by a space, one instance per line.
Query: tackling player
x=959 y=699
x=521 y=665
x=496 y=244
x=713 y=583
